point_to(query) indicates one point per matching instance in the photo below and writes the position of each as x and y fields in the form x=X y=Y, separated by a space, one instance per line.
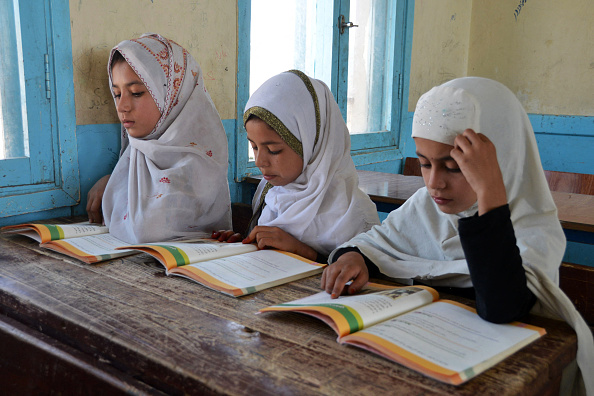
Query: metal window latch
x=345 y=25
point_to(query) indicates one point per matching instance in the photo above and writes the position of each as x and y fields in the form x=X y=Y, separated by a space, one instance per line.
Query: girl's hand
x=274 y=237
x=226 y=236
x=94 y=199
x=477 y=158
x=349 y=266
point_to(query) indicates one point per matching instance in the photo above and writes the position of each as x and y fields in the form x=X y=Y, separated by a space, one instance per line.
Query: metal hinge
x=48 y=90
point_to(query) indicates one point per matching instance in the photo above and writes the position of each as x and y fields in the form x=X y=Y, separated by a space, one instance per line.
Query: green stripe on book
x=56 y=233
x=180 y=258
x=468 y=373
x=249 y=290
x=355 y=324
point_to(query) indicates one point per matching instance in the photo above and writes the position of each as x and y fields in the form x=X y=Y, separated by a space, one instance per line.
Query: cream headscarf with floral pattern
x=173 y=182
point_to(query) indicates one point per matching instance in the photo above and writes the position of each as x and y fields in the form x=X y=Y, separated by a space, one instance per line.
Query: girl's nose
x=123 y=104
x=260 y=159
x=436 y=179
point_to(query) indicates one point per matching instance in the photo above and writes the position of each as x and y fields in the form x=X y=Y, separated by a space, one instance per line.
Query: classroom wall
x=542 y=50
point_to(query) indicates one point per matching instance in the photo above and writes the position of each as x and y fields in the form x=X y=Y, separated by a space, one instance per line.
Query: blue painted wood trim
x=243 y=92
x=67 y=156
x=578 y=253
x=405 y=140
x=562 y=124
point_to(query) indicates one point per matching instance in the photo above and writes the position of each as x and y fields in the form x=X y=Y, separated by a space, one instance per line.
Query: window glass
x=14 y=140
x=290 y=34
x=363 y=63
x=369 y=87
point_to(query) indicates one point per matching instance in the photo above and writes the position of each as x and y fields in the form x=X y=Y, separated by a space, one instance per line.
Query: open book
x=83 y=241
x=442 y=339
x=235 y=269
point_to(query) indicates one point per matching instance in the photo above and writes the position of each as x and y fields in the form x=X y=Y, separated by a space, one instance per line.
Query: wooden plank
x=26 y=354
x=577 y=281
x=575 y=210
x=579 y=183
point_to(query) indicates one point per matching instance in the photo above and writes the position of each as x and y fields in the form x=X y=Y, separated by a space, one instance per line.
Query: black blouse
x=495 y=265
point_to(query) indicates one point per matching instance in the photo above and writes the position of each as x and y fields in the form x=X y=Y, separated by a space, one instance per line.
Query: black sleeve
x=372 y=268
x=495 y=265
x=320 y=258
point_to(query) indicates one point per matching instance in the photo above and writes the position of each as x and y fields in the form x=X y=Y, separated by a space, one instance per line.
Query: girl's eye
x=453 y=170
x=274 y=152
x=116 y=96
x=137 y=94
x=425 y=165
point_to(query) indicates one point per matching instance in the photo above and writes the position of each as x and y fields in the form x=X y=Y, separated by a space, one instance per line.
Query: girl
x=309 y=201
x=485 y=219
x=171 y=178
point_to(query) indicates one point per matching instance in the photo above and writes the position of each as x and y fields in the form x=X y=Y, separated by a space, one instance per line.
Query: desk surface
x=575 y=210
x=171 y=335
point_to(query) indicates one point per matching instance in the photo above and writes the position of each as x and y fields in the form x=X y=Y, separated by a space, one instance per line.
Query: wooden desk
x=389 y=191
x=122 y=326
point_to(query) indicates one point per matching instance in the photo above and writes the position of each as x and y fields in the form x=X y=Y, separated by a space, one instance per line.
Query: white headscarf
x=419 y=241
x=173 y=182
x=324 y=206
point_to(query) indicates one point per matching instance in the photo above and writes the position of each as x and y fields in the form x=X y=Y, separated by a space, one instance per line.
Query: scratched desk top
x=177 y=336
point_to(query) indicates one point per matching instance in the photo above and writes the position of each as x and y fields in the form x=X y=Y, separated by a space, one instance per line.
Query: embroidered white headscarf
x=324 y=206
x=419 y=241
x=173 y=182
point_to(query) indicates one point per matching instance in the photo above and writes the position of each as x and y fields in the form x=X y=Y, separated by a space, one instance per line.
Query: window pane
x=290 y=34
x=371 y=49
x=13 y=115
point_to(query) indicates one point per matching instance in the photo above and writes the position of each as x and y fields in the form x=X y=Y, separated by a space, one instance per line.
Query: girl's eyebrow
x=129 y=84
x=266 y=143
x=446 y=158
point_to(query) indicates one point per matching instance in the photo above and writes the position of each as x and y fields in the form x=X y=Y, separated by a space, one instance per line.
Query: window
x=38 y=161
x=357 y=47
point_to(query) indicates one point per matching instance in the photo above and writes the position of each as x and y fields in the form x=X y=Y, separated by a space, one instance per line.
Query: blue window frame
x=378 y=55
x=38 y=159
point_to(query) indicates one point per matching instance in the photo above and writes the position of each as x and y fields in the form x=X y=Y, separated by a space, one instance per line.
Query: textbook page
x=174 y=254
x=348 y=314
x=249 y=272
x=48 y=232
x=92 y=245
x=445 y=339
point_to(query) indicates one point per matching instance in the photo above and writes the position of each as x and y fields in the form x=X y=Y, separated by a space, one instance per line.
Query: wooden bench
x=577 y=183
x=577 y=281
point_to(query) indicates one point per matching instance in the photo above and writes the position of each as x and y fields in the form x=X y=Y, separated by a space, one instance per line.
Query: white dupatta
x=324 y=206
x=173 y=182
x=418 y=241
